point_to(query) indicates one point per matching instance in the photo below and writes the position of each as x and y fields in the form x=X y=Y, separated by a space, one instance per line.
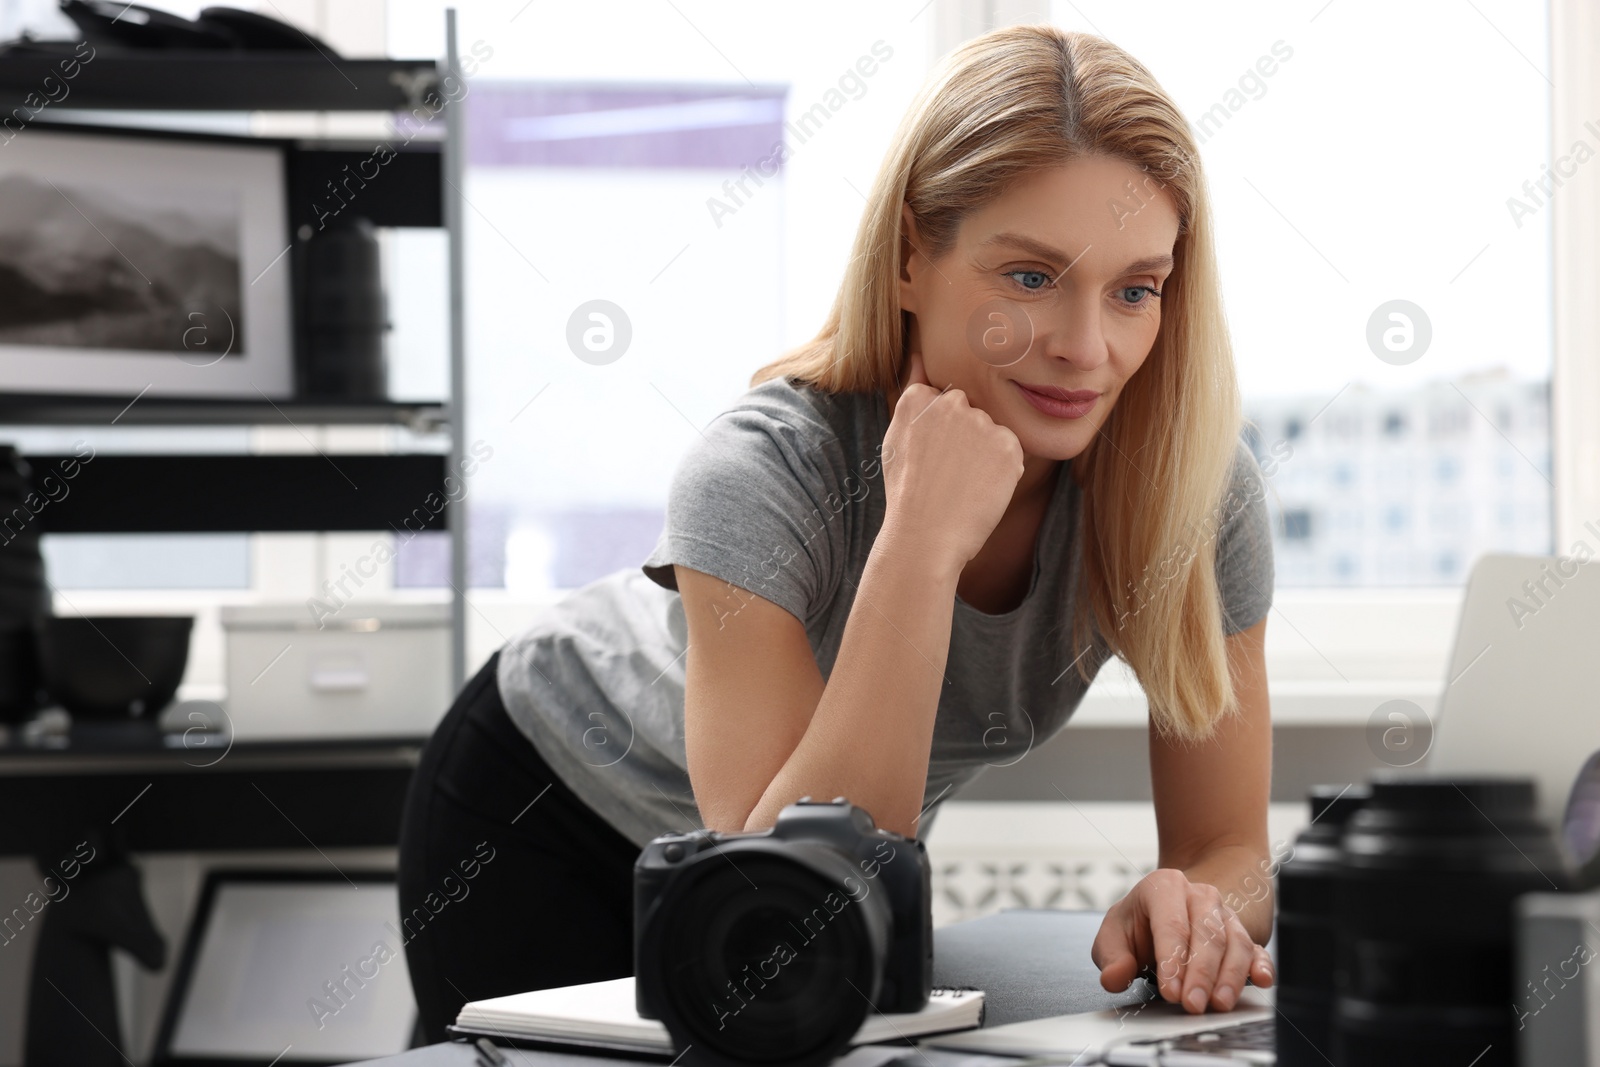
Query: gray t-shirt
x=783 y=497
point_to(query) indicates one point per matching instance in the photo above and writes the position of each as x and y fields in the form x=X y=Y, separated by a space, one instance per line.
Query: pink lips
x=1059 y=403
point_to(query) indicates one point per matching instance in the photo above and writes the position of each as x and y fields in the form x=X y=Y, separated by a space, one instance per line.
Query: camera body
x=882 y=874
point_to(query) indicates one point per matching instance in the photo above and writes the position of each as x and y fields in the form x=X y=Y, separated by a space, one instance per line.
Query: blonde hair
x=1001 y=105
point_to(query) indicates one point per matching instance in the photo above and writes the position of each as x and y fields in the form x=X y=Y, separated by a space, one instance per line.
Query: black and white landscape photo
x=97 y=263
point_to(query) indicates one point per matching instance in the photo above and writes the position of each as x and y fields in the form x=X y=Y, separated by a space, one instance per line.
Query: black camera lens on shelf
x=1429 y=871
x=1306 y=934
x=771 y=947
x=24 y=595
x=345 y=312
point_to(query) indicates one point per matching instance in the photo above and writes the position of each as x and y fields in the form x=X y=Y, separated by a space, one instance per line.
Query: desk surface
x=1030 y=964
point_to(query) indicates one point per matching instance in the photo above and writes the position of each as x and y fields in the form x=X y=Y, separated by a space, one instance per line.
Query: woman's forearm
x=1242 y=875
x=870 y=737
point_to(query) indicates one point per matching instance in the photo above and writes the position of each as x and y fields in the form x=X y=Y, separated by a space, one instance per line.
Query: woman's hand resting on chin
x=1198 y=949
x=949 y=470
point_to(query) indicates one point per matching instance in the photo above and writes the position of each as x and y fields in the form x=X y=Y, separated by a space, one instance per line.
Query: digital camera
x=771 y=946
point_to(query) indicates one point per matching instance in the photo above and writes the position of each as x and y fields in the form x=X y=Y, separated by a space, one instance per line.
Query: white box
x=372 y=670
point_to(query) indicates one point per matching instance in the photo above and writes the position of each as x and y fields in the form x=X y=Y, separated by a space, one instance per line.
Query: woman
x=1012 y=452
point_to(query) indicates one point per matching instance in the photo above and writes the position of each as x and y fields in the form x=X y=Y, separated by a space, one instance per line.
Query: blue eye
x=1044 y=279
x=1125 y=290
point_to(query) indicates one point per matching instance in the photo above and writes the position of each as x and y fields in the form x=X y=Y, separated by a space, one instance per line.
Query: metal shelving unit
x=424 y=190
x=63 y=410
x=232 y=81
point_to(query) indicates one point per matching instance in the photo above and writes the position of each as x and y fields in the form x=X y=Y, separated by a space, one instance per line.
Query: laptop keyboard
x=1249 y=1043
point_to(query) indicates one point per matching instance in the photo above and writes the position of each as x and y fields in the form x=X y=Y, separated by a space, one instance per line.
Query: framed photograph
x=144 y=262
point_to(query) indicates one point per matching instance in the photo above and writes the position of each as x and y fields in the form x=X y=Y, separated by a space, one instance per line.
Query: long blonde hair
x=1009 y=102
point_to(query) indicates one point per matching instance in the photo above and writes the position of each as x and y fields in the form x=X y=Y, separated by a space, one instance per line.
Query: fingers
x=1237 y=960
x=1203 y=953
x=1167 y=906
x=1114 y=953
x=916 y=374
x=1261 y=970
x=1207 y=942
x=1011 y=439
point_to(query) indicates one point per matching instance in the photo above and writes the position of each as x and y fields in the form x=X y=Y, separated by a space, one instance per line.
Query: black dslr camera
x=772 y=946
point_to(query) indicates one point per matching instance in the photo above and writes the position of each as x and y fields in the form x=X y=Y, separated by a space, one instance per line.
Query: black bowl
x=114 y=666
x=23 y=605
x=19 y=670
x=20 y=568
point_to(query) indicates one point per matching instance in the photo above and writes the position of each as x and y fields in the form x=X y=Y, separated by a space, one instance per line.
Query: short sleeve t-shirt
x=783 y=497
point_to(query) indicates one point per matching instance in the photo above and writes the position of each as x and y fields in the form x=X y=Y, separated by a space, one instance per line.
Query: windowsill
x=1333 y=655
x=1294 y=703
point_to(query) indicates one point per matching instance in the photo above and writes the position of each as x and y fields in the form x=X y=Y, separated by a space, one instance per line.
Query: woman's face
x=1049 y=287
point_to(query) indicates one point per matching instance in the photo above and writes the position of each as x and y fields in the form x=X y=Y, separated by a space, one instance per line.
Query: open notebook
x=603 y=1014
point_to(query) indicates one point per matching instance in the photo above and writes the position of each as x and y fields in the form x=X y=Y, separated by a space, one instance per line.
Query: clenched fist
x=949 y=470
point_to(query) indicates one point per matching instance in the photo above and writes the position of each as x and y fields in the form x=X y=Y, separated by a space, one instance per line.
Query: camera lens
x=1430 y=869
x=1307 y=936
x=752 y=952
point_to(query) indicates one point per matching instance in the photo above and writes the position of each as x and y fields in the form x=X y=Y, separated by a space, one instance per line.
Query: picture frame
x=145 y=263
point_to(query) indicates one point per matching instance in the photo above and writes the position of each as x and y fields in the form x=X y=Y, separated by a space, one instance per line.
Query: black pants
x=498 y=897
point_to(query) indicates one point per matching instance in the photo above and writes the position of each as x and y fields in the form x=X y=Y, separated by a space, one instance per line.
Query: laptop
x=1149 y=1033
x=1518 y=700
x=1520 y=695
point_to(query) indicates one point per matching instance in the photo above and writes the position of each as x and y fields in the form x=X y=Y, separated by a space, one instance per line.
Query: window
x=1296 y=524
x=1337 y=237
x=628 y=195
x=622 y=174
x=722 y=274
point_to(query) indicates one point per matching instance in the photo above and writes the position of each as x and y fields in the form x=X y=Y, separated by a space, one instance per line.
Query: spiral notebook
x=602 y=1015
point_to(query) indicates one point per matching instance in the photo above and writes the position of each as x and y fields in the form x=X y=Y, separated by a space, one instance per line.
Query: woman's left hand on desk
x=1199 y=950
